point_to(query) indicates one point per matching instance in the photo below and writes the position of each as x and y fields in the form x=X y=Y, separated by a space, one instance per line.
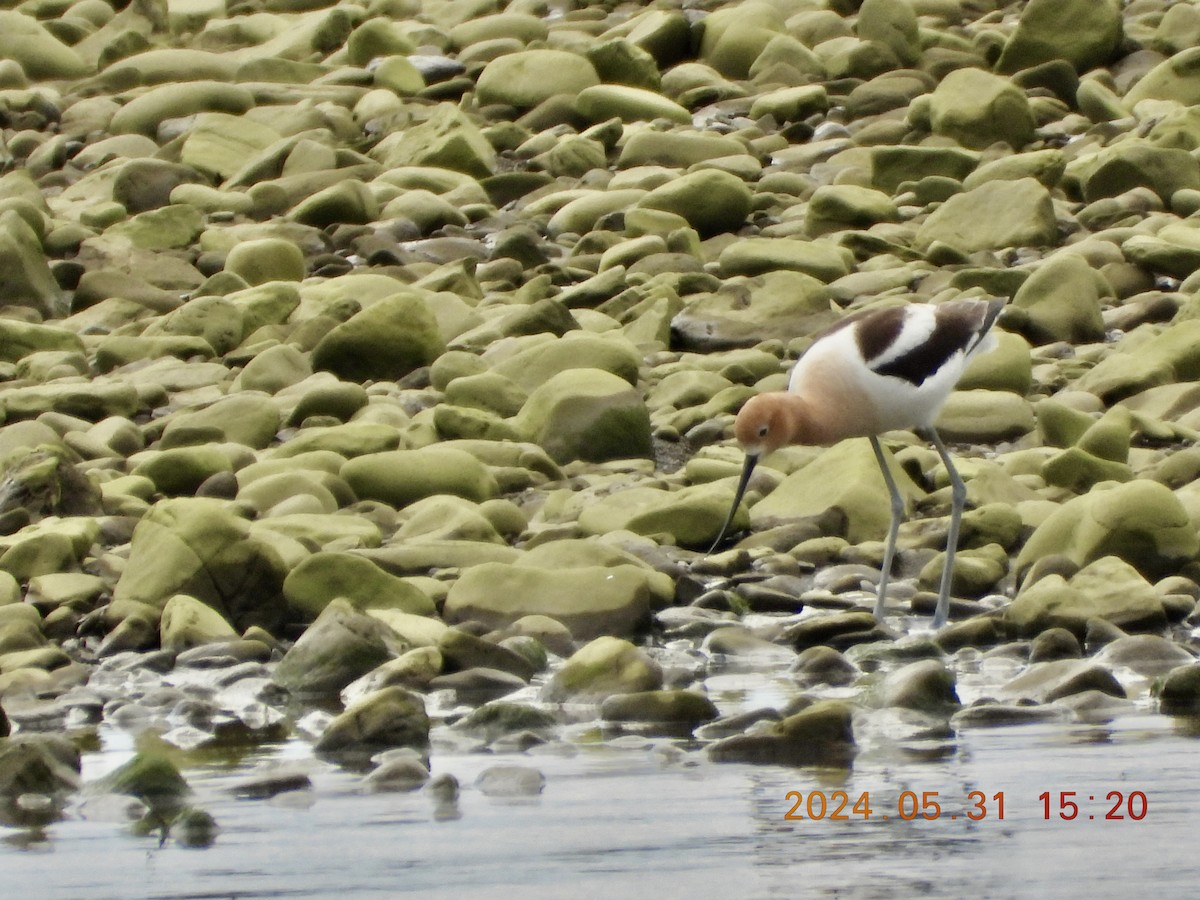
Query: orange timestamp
x=838 y=806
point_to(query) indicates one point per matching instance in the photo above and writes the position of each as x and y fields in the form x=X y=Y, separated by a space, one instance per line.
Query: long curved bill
x=747 y=470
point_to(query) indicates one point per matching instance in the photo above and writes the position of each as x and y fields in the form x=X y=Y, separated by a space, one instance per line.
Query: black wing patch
x=958 y=328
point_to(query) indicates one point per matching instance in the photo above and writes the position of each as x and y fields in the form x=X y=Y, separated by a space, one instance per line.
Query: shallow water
x=651 y=818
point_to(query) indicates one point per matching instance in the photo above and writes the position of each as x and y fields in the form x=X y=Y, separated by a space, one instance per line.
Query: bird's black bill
x=747 y=470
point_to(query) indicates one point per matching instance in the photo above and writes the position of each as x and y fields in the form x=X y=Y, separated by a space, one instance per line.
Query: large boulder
x=198 y=547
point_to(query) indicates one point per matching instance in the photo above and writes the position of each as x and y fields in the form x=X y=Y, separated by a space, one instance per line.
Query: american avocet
x=872 y=372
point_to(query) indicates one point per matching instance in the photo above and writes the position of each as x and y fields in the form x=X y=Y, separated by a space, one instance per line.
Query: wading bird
x=872 y=372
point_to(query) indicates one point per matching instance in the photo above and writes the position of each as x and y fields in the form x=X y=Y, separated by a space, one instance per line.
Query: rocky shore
x=367 y=368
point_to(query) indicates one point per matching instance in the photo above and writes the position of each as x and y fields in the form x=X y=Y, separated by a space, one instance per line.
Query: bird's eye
x=762 y=430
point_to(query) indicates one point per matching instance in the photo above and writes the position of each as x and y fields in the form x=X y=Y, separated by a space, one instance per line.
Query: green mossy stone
x=180 y=471
x=977 y=109
x=587 y=414
x=187 y=623
x=266 y=260
x=618 y=61
x=792 y=104
x=676 y=149
x=351 y=439
x=321 y=578
x=588 y=600
x=342 y=645
x=1060 y=425
x=844 y=479
x=895 y=25
x=39 y=53
x=528 y=78
x=1173 y=355
x=19 y=339
x=976 y=571
x=1082 y=32
x=213 y=319
x=401 y=477
x=348 y=202
x=247 y=418
x=669 y=706
x=274 y=369
x=1061 y=301
x=1131 y=164
x=925 y=686
x=218 y=144
x=992 y=216
x=1045 y=166
x=603 y=667
x=580 y=214
x=1108 y=589
x=28 y=280
x=91 y=401
x=985 y=416
x=731 y=39
x=838 y=207
x=1141 y=521
x=1172 y=79
x=601 y=102
x=691 y=516
x=891 y=166
x=385 y=341
x=710 y=200
x=145 y=112
x=199 y=548
x=447 y=139
x=821 y=259
x=819 y=735
x=1077 y=470
x=529 y=368
x=443 y=517
x=375 y=38
x=391 y=717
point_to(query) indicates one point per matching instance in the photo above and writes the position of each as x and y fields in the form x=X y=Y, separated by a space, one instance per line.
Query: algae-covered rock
x=27 y=277
x=992 y=216
x=529 y=77
x=187 y=623
x=603 y=667
x=1060 y=301
x=845 y=482
x=391 y=717
x=387 y=340
x=199 y=548
x=976 y=109
x=1108 y=589
x=926 y=686
x=680 y=707
x=46 y=764
x=588 y=600
x=1142 y=522
x=265 y=260
x=400 y=477
x=151 y=776
x=819 y=735
x=1085 y=33
x=447 y=139
x=710 y=200
x=341 y=645
x=322 y=577
x=587 y=414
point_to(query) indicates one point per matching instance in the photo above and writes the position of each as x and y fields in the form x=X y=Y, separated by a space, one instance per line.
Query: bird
x=873 y=371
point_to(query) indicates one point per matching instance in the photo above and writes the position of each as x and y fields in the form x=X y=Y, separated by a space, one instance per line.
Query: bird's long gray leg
x=897 y=517
x=958 y=498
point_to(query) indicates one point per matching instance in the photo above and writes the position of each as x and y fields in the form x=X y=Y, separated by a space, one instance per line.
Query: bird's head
x=763 y=425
